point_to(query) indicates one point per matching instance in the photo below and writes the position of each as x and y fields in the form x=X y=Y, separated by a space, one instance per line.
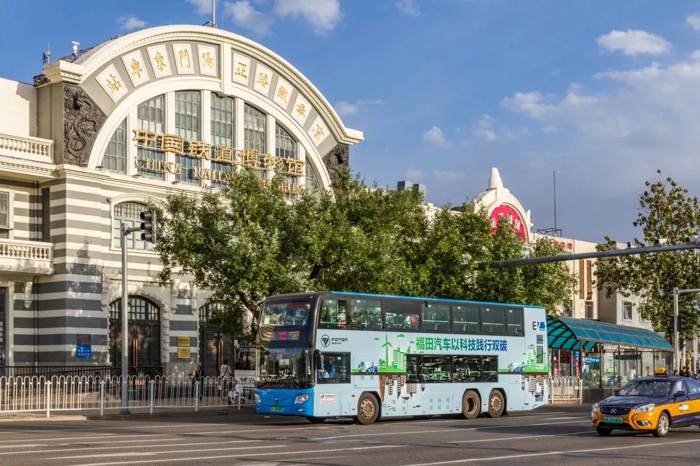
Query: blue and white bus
x=338 y=354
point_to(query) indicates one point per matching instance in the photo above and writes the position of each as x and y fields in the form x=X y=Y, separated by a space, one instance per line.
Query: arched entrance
x=144 y=336
x=214 y=345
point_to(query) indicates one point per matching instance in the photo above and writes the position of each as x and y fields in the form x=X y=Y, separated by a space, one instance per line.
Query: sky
x=601 y=93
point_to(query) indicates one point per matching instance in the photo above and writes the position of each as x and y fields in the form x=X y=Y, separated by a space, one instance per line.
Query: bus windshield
x=285 y=320
x=285 y=368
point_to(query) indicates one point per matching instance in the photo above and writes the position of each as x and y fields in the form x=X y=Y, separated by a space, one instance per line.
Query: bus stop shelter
x=603 y=356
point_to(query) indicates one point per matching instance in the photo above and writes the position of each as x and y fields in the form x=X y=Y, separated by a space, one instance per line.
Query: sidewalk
x=136 y=413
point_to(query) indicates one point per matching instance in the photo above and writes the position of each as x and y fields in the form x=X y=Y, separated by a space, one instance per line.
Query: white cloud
x=414 y=174
x=448 y=174
x=247 y=17
x=347 y=108
x=408 y=7
x=484 y=130
x=322 y=14
x=550 y=129
x=634 y=42
x=202 y=7
x=434 y=136
x=130 y=23
x=693 y=21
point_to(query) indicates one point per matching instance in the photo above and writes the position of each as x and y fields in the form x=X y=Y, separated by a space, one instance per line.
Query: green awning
x=571 y=334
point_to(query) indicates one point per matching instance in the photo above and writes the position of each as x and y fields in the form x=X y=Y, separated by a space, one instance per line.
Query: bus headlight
x=257 y=398
x=301 y=399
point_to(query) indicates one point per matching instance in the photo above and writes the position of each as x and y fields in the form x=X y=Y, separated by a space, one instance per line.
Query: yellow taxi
x=649 y=404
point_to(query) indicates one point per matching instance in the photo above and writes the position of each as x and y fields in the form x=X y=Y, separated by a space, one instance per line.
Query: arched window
x=140 y=310
x=151 y=117
x=129 y=213
x=206 y=311
x=222 y=129
x=187 y=118
x=310 y=178
x=114 y=159
x=286 y=148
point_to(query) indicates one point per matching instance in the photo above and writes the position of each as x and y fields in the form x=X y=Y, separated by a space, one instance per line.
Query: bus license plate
x=612 y=420
x=276 y=409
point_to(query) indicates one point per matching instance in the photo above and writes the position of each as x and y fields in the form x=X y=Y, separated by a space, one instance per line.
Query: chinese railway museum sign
x=249 y=158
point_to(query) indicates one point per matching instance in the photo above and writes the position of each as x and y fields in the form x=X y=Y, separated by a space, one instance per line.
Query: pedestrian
x=225 y=373
x=198 y=378
x=649 y=374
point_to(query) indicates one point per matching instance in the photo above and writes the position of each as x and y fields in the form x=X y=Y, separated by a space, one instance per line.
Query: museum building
x=99 y=134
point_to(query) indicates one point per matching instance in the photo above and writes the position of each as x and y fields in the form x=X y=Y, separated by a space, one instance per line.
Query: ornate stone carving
x=82 y=121
x=337 y=159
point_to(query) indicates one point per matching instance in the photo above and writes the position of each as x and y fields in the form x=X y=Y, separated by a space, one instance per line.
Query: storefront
x=604 y=356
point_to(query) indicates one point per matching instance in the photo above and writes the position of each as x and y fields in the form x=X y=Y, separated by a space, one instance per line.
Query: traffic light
x=682 y=322
x=147 y=226
x=681 y=342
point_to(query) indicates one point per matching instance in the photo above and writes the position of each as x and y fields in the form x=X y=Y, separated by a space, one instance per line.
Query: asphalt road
x=552 y=435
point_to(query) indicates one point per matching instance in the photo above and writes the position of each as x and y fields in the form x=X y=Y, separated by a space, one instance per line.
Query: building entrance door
x=144 y=336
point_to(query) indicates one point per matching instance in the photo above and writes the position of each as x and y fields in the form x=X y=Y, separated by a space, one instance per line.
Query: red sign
x=513 y=217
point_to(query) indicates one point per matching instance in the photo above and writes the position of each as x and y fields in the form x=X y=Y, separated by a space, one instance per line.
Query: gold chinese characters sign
x=183 y=353
x=249 y=158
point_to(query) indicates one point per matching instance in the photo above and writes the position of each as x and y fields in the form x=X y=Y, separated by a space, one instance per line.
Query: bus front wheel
x=367 y=409
x=496 y=404
x=471 y=404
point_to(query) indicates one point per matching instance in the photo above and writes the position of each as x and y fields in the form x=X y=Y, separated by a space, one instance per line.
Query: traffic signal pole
x=146 y=229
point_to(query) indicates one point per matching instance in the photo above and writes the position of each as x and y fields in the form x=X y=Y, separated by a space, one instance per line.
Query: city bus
x=338 y=354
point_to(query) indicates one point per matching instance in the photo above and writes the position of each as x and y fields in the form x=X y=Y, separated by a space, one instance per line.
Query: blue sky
x=602 y=92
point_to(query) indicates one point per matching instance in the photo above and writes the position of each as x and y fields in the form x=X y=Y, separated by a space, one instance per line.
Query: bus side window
x=333 y=314
x=373 y=317
x=514 y=322
x=413 y=364
x=358 y=309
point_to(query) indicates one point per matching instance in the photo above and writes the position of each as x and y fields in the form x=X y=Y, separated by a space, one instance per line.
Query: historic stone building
x=98 y=134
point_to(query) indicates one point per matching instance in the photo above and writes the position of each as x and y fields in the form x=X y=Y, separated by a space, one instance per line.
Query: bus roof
x=373 y=295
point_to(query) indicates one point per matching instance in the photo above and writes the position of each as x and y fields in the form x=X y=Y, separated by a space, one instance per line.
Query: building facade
x=98 y=135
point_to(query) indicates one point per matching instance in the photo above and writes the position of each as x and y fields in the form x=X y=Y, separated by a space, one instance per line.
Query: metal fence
x=565 y=389
x=84 y=393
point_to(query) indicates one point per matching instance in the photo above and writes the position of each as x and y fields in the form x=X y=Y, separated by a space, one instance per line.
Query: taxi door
x=682 y=407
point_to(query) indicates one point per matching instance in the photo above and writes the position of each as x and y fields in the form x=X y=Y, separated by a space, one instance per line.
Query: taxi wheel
x=496 y=404
x=367 y=409
x=662 y=426
x=603 y=432
x=471 y=404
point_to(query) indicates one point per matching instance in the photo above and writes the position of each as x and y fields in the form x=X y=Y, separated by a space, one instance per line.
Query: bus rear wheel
x=496 y=404
x=471 y=404
x=367 y=409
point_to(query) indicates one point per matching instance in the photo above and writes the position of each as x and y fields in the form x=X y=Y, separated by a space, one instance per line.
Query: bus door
x=333 y=385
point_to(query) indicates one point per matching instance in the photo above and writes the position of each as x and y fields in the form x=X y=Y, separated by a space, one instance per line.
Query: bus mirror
x=318 y=359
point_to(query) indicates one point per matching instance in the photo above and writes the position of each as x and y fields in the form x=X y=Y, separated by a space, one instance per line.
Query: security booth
x=592 y=359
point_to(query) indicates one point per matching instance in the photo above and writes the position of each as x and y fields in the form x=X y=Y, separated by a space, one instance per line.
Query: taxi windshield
x=654 y=388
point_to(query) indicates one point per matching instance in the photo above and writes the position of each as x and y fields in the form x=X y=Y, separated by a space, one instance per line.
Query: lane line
x=167 y=452
x=553 y=453
x=592 y=432
x=434 y=431
x=97 y=436
x=28 y=452
x=162 y=460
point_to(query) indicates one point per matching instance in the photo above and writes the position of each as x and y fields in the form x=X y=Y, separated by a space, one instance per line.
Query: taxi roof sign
x=661 y=372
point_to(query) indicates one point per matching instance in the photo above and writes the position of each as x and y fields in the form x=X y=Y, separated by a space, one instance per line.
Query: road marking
x=77 y=437
x=285 y=453
x=560 y=418
x=500 y=439
x=166 y=452
x=53 y=449
x=434 y=431
x=552 y=453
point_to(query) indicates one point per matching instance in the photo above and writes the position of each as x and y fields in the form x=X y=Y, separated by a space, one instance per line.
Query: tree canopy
x=246 y=242
x=667 y=213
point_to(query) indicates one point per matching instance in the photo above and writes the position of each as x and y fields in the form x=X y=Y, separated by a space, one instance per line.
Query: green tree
x=667 y=212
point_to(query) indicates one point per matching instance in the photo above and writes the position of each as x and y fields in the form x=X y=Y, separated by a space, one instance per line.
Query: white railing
x=37 y=149
x=16 y=249
x=86 y=393
x=565 y=389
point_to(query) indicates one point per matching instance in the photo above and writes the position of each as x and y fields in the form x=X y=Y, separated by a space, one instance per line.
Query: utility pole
x=676 y=327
